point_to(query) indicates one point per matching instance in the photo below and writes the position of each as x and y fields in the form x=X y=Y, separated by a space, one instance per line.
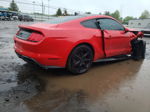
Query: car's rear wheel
x=138 y=49
x=80 y=59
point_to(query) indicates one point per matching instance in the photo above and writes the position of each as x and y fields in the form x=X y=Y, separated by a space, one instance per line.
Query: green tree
x=127 y=19
x=116 y=15
x=65 y=13
x=59 y=12
x=88 y=13
x=145 y=14
x=13 y=6
x=107 y=13
x=76 y=13
x=100 y=13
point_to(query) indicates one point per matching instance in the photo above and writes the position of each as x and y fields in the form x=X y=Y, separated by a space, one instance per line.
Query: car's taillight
x=35 y=37
x=24 y=34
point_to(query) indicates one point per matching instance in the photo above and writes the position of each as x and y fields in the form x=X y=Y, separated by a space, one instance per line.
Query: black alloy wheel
x=80 y=59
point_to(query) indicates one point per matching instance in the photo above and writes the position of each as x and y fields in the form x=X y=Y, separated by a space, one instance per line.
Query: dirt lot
x=122 y=86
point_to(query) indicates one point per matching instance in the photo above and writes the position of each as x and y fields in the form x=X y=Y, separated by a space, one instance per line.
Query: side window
x=110 y=24
x=89 y=24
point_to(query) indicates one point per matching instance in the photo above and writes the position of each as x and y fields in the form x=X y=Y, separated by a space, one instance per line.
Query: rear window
x=64 y=19
x=90 y=24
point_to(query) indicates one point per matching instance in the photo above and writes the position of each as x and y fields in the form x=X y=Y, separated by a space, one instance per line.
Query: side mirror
x=140 y=34
x=126 y=30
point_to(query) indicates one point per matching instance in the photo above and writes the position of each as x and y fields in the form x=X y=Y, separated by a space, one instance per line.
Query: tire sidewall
x=138 y=49
x=69 y=66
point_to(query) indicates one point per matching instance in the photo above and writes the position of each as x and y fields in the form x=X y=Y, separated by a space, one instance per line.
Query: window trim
x=100 y=28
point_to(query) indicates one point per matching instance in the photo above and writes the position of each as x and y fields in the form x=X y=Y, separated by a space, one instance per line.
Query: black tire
x=138 y=49
x=144 y=50
x=80 y=59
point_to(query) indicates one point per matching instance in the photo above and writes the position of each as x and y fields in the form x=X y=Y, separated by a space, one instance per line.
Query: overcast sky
x=126 y=7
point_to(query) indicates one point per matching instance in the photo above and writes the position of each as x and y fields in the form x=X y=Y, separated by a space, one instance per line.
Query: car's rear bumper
x=33 y=61
x=45 y=53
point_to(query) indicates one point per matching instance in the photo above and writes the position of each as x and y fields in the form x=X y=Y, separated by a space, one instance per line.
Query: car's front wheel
x=80 y=59
x=138 y=49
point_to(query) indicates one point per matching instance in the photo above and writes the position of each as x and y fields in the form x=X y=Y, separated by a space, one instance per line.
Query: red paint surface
x=58 y=41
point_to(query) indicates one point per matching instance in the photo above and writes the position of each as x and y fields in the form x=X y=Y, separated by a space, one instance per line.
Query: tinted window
x=109 y=24
x=89 y=24
x=59 y=20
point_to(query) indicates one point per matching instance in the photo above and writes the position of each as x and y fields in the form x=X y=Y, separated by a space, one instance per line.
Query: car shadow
x=35 y=69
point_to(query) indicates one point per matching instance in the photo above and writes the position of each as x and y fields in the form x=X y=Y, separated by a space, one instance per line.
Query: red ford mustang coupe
x=75 y=42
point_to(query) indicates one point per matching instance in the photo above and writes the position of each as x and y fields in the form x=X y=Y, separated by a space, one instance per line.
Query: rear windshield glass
x=64 y=19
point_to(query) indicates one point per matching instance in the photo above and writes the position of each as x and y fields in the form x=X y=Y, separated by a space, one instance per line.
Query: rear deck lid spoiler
x=42 y=28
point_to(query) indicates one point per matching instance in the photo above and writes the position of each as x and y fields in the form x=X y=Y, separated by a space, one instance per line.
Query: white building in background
x=139 y=23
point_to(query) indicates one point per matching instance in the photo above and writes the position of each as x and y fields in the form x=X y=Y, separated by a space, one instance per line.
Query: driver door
x=116 y=40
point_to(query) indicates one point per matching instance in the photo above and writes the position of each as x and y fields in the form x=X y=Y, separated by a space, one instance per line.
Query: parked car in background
x=1 y=15
x=11 y=15
x=141 y=25
x=5 y=15
x=8 y=15
x=75 y=42
x=15 y=16
x=146 y=31
x=25 y=18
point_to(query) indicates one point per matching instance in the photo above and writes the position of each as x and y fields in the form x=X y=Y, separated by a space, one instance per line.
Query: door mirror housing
x=126 y=30
x=140 y=34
